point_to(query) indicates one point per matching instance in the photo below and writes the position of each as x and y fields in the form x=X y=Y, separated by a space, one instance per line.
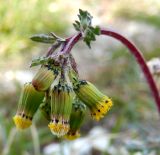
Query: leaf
x=40 y=61
x=88 y=42
x=81 y=12
x=84 y=25
x=78 y=23
x=97 y=30
x=76 y=27
x=43 y=38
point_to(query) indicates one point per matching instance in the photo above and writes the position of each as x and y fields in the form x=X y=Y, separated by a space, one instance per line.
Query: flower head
x=61 y=106
x=29 y=102
x=76 y=120
x=98 y=103
x=44 y=78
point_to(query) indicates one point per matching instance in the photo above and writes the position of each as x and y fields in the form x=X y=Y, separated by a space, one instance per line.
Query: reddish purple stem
x=134 y=51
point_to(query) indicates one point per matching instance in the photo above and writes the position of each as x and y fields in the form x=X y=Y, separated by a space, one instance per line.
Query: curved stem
x=71 y=42
x=134 y=51
x=140 y=60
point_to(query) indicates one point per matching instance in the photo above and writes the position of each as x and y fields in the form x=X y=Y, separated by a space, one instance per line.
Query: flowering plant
x=57 y=89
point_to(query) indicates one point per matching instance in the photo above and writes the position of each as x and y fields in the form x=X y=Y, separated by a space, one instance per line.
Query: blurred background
x=132 y=127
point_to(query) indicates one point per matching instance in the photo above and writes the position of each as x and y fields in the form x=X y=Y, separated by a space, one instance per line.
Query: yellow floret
x=21 y=123
x=101 y=108
x=58 y=129
x=72 y=136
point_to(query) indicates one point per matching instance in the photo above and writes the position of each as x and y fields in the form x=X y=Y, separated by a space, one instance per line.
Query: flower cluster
x=56 y=89
x=62 y=98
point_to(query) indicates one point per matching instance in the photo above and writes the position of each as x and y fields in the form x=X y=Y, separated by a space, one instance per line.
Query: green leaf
x=84 y=25
x=88 y=42
x=43 y=38
x=40 y=61
x=76 y=27
x=81 y=12
x=77 y=22
x=97 y=30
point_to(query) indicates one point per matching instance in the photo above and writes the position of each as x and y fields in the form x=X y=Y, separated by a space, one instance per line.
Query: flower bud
x=98 y=103
x=29 y=102
x=61 y=106
x=44 y=78
x=45 y=108
x=76 y=120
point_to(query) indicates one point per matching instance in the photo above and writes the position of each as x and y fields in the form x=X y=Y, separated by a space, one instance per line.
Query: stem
x=35 y=138
x=134 y=51
x=53 y=48
x=10 y=141
x=70 y=42
x=73 y=63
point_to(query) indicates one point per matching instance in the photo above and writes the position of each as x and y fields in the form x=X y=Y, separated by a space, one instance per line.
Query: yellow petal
x=58 y=129
x=21 y=123
x=101 y=108
x=72 y=136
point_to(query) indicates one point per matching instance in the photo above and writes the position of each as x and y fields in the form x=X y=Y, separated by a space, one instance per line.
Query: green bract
x=29 y=102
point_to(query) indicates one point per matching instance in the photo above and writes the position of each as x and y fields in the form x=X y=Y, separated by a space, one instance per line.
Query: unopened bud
x=61 y=106
x=98 y=103
x=76 y=120
x=29 y=102
x=44 y=78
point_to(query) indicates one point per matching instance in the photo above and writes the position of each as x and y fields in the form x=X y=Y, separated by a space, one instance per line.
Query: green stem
x=10 y=141
x=35 y=138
